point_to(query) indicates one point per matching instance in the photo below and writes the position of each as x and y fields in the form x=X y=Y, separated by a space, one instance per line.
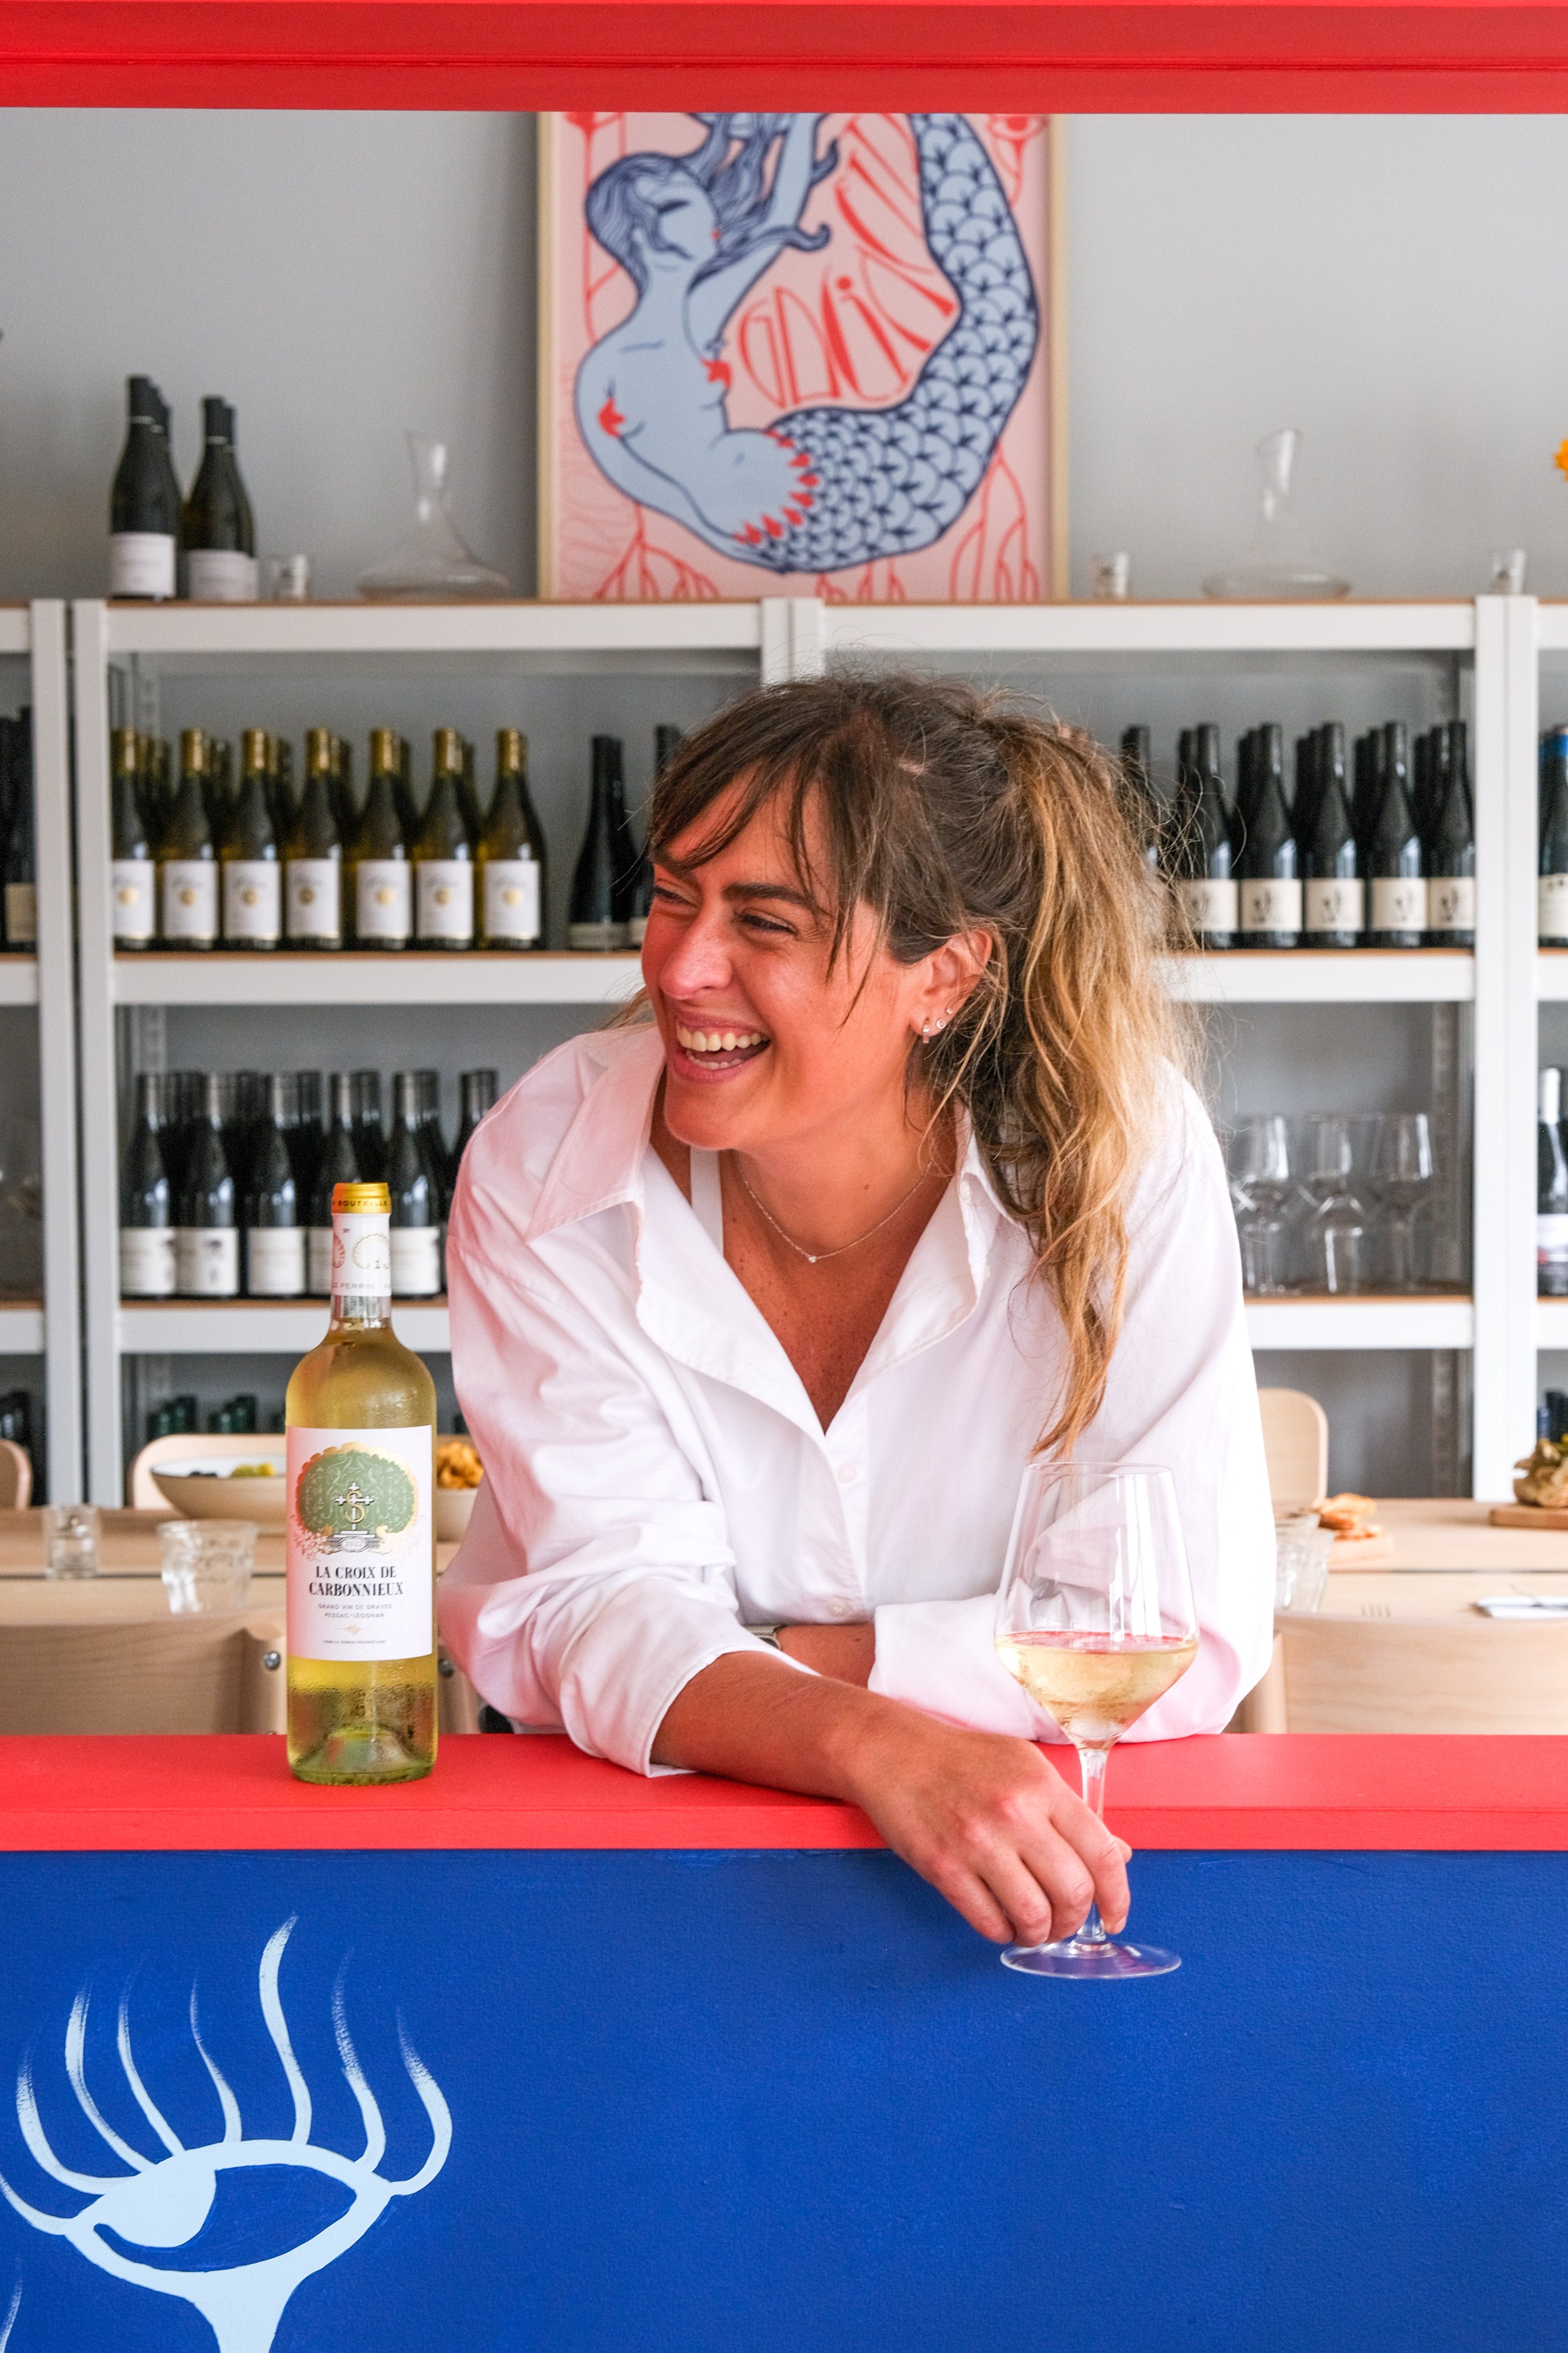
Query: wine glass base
x=1100 y=1958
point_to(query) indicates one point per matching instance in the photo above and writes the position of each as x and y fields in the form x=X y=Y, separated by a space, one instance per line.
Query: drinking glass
x=70 y=1540
x=1336 y=1232
x=1402 y=1175
x=1263 y=1183
x=1095 y=1618
x=206 y=1563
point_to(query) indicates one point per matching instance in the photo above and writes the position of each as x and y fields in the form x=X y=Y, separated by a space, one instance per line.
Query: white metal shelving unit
x=776 y=638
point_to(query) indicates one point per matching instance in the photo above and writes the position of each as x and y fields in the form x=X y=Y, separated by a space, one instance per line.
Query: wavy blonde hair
x=945 y=810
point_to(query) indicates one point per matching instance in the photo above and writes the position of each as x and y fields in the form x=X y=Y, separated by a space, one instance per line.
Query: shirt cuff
x=940 y=1656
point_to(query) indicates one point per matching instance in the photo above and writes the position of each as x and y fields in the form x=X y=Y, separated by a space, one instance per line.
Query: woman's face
x=764 y=1047
x=687 y=225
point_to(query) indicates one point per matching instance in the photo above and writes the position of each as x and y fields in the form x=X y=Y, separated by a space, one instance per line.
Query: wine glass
x=1336 y=1230
x=1402 y=1175
x=1262 y=1186
x=1095 y=1618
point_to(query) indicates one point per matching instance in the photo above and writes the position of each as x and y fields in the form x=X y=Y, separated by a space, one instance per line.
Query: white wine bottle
x=361 y=1414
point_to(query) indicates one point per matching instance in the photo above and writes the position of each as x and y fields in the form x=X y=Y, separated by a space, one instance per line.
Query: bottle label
x=147 y=1262
x=383 y=897
x=362 y=1553
x=1270 y=907
x=312 y=886
x=132 y=893
x=1451 y=902
x=1398 y=903
x=21 y=915
x=1552 y=1240
x=415 y=1261
x=220 y=576
x=190 y=899
x=361 y=1261
x=604 y=939
x=445 y=889
x=141 y=564
x=511 y=900
x=252 y=899
x=206 y=1261
x=1339 y=905
x=1207 y=906
x=275 y=1261
x=317 y=1260
x=1552 y=901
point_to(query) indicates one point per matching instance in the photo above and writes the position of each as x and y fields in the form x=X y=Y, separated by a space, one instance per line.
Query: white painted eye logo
x=163 y=2202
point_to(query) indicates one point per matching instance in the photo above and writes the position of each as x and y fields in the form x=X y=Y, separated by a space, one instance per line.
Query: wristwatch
x=770 y=1634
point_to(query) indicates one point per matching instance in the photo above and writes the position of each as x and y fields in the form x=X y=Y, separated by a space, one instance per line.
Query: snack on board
x=1545 y=1478
x=1350 y=1516
x=457 y=1464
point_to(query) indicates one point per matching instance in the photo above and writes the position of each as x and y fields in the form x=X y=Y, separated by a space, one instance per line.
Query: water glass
x=207 y=1564
x=290 y=579
x=1301 y=1554
x=70 y=1540
x=1110 y=577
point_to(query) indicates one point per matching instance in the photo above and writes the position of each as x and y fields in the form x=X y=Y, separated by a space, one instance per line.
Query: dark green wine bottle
x=313 y=869
x=510 y=863
x=252 y=876
x=444 y=860
x=187 y=856
x=381 y=885
x=143 y=518
x=133 y=873
x=218 y=527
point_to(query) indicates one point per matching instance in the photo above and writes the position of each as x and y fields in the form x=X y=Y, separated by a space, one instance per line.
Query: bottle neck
x=362 y=1271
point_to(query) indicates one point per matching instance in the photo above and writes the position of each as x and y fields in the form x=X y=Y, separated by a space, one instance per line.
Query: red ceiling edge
x=1078 y=57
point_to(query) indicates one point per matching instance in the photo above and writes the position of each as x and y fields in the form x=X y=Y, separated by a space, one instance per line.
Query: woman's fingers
x=1101 y=1855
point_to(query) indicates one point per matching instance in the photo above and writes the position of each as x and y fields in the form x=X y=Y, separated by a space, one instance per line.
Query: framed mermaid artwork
x=807 y=354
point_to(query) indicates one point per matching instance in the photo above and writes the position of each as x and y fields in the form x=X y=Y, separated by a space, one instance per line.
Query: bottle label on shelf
x=1207 y=906
x=132 y=897
x=313 y=887
x=1398 y=903
x=362 y=1550
x=1451 y=902
x=604 y=939
x=445 y=891
x=1552 y=903
x=21 y=915
x=1270 y=906
x=384 y=899
x=1551 y=1242
x=206 y=1261
x=511 y=900
x=147 y=1268
x=141 y=564
x=220 y=576
x=190 y=898
x=1339 y=905
x=317 y=1260
x=252 y=899
x=415 y=1261
x=275 y=1261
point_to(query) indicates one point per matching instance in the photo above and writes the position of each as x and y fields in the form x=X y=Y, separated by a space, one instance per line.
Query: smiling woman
x=762 y=1306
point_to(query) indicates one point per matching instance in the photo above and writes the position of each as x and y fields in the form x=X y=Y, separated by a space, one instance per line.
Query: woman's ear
x=949 y=976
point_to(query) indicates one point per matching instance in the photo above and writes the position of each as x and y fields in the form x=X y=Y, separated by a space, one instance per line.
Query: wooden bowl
x=454 y=1509
x=206 y=1494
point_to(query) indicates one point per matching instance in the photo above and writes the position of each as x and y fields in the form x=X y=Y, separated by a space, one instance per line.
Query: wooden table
x=1452 y=1533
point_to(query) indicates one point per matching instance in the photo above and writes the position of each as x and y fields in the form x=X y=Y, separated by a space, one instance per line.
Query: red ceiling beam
x=1030 y=56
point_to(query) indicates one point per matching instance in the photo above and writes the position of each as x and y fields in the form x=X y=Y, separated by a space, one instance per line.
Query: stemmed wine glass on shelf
x=1095 y=1619
x=1336 y=1230
x=1262 y=1185
x=1402 y=1177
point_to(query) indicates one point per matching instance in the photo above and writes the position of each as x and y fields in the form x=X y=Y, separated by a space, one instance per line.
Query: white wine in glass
x=1095 y=1619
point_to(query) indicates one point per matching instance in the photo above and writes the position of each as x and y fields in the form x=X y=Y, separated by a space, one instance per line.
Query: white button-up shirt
x=656 y=1477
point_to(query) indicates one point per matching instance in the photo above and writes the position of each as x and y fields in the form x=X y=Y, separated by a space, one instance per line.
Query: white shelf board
x=213 y=636
x=1203 y=627
x=1443 y=1322
x=1551 y=1323
x=22 y=1330
x=258 y=1327
x=18 y=980
x=413 y=977
x=1311 y=977
x=1552 y=626
x=1551 y=975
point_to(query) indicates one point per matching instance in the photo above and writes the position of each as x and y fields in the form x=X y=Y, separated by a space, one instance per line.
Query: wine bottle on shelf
x=133 y=873
x=370 y=1139
x=1270 y=867
x=666 y=742
x=187 y=857
x=1245 y=797
x=478 y=1096
x=219 y=531
x=1311 y=756
x=313 y=867
x=361 y=1416
x=1551 y=922
x=339 y=1164
x=1551 y=1189
x=252 y=877
x=19 y=861
x=207 y=1236
x=345 y=797
x=1428 y=781
x=280 y=785
x=1450 y=859
x=433 y=1142
x=600 y=893
x=1138 y=768
x=510 y=861
x=444 y=860
x=1366 y=791
x=143 y=505
x=414 y=1195
x=147 y=1268
x=410 y=807
x=220 y=792
x=1333 y=897
x=382 y=879
x=469 y=791
x=1206 y=885
x=274 y=1234
x=306 y=1136
x=1398 y=887
x=157 y=786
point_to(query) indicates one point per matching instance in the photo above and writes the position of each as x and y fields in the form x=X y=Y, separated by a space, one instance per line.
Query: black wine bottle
x=274 y=1232
x=313 y=867
x=1333 y=897
x=339 y=1165
x=1206 y=885
x=18 y=856
x=1138 y=768
x=345 y=796
x=511 y=882
x=219 y=531
x=1551 y=1189
x=478 y=1094
x=187 y=856
x=433 y=1141
x=444 y=855
x=370 y=1141
x=1398 y=887
x=382 y=878
x=416 y=1233
x=600 y=887
x=252 y=875
x=147 y=1268
x=1268 y=868
x=143 y=505
x=1450 y=859
x=666 y=744
x=1551 y=922
x=133 y=873
x=206 y=1235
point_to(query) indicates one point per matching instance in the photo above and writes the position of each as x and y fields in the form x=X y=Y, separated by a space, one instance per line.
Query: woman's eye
x=666 y=897
x=757 y=923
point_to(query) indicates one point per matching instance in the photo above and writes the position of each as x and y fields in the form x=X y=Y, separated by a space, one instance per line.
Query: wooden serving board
x=1370 y=1549
x=1528 y=1515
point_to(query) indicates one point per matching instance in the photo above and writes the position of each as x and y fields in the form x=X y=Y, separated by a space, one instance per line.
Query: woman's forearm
x=754 y=1719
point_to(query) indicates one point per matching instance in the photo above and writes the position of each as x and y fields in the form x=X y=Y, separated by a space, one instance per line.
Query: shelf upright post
x=99 y=1073
x=1503 y=1365
x=794 y=639
x=57 y=1050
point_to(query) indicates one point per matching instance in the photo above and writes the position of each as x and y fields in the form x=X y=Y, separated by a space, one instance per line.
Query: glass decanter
x=431 y=561
x=1279 y=564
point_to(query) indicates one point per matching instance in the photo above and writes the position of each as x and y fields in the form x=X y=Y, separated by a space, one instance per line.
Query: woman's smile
x=719 y=1046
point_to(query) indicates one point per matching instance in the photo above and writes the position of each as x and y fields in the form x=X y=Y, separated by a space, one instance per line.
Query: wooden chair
x=1464 y=1674
x=222 y=1673
x=1295 y=1444
x=15 y=1477
x=457 y=1701
x=235 y=1445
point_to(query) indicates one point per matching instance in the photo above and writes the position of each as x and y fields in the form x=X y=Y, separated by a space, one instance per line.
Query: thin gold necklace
x=820 y=1258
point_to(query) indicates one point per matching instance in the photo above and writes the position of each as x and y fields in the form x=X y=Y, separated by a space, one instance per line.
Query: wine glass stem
x=1091 y=1764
